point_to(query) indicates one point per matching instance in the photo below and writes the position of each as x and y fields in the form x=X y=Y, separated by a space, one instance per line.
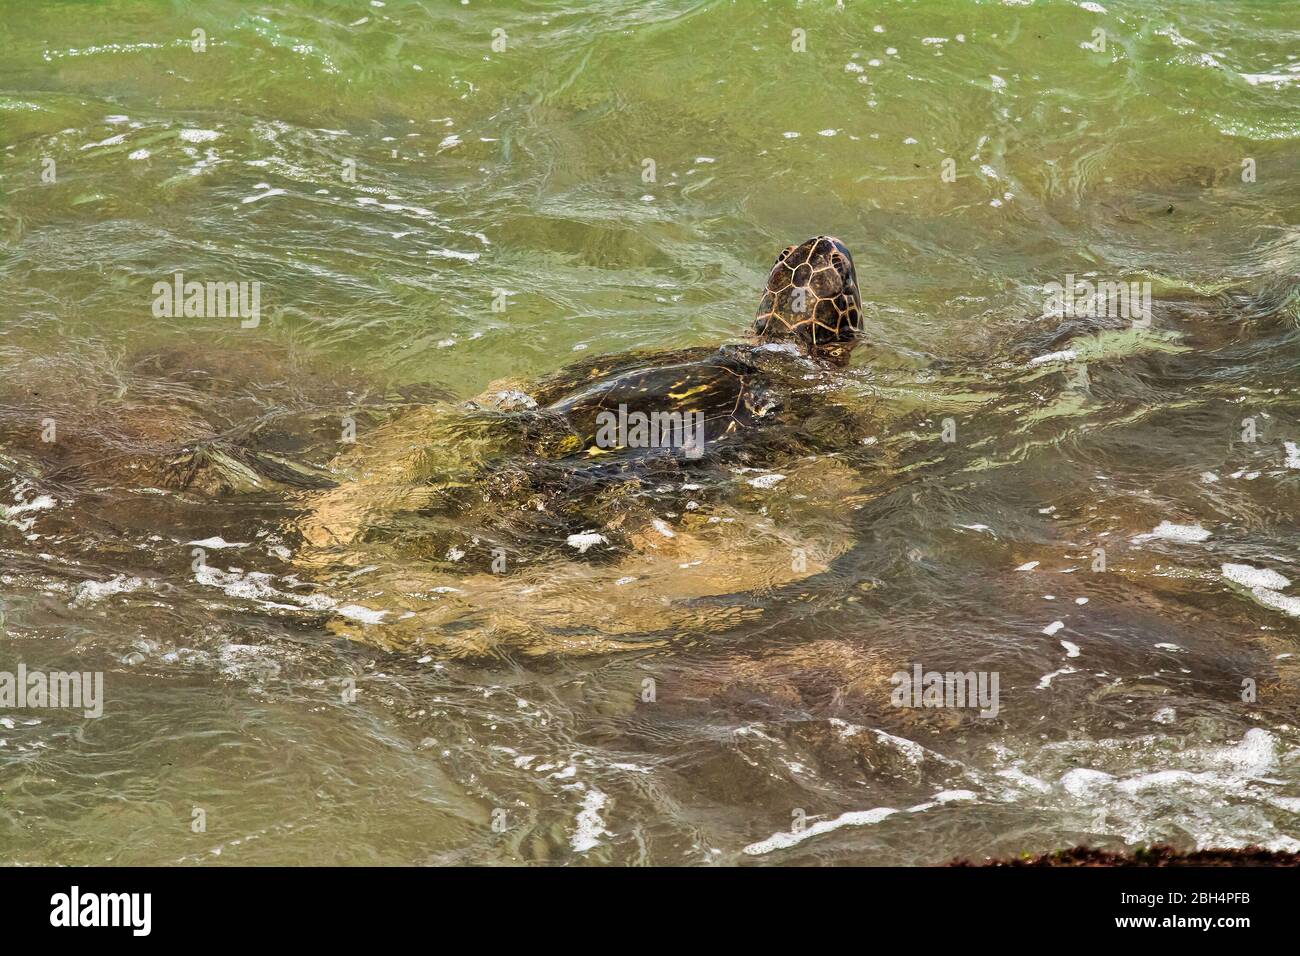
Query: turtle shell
x=684 y=403
x=812 y=295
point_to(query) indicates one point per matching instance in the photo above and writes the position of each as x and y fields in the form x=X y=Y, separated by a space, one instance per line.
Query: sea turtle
x=625 y=497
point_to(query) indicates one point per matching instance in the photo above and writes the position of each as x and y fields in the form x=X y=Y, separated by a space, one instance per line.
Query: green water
x=427 y=214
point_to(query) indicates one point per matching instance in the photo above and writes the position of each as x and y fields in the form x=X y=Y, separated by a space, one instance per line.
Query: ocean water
x=1097 y=509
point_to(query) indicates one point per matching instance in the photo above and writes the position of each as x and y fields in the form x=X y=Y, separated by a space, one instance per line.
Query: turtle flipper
x=700 y=576
x=222 y=468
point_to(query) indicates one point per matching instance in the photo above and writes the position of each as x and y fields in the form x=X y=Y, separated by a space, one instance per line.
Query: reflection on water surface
x=305 y=637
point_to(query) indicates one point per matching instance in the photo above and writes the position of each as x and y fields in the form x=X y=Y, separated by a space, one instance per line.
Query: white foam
x=1250 y=577
x=1023 y=780
x=766 y=481
x=854 y=818
x=259 y=587
x=1160 y=778
x=1252 y=759
x=263 y=195
x=88 y=592
x=585 y=540
x=218 y=542
x=453 y=254
x=1071 y=650
x=910 y=749
x=1083 y=780
x=111 y=141
x=40 y=503
x=590 y=827
x=950 y=796
x=1256 y=754
x=1136 y=787
x=1255 y=79
x=1277 y=601
x=1264 y=585
x=1045 y=681
x=1053 y=628
x=365 y=615
x=1168 y=531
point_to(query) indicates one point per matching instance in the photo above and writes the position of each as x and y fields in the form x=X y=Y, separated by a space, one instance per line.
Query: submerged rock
x=1158 y=854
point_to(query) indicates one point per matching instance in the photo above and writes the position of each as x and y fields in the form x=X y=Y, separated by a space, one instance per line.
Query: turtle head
x=812 y=298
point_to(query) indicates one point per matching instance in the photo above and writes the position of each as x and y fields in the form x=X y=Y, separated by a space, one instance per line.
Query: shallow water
x=229 y=677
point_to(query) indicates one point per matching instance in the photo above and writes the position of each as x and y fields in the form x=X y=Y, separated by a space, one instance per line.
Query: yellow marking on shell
x=595 y=450
x=689 y=392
